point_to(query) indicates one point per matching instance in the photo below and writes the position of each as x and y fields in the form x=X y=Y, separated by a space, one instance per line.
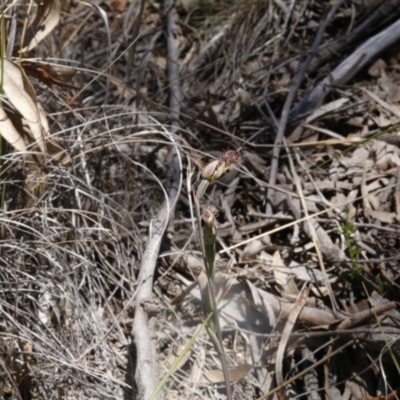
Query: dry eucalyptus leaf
x=9 y=133
x=49 y=73
x=283 y=276
x=306 y=274
x=46 y=19
x=327 y=108
x=118 y=5
x=357 y=158
x=261 y=305
x=22 y=96
x=386 y=155
x=28 y=118
x=377 y=68
x=235 y=373
x=287 y=330
x=383 y=216
x=252 y=249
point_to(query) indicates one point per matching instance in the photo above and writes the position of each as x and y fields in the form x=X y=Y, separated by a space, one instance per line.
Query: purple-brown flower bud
x=209 y=215
x=231 y=157
x=215 y=169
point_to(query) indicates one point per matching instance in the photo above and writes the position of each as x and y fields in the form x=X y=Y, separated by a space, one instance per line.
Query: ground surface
x=308 y=237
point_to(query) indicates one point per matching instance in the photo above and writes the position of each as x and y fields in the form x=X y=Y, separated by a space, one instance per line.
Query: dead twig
x=145 y=375
x=387 y=9
x=305 y=371
x=348 y=68
x=364 y=316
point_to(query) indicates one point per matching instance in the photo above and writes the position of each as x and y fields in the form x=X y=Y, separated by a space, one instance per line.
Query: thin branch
x=145 y=376
x=289 y=100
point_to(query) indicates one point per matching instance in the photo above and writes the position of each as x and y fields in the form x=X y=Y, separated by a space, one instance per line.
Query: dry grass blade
x=319 y=237
x=290 y=98
x=287 y=330
x=302 y=373
x=282 y=227
x=175 y=364
x=77 y=254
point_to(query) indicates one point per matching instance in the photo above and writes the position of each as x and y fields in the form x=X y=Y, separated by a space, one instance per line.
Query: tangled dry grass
x=75 y=229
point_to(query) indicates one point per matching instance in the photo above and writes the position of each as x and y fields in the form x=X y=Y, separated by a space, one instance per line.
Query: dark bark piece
x=348 y=69
x=387 y=9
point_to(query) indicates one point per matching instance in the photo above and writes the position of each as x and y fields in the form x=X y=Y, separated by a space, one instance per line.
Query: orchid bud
x=209 y=215
x=214 y=170
x=231 y=157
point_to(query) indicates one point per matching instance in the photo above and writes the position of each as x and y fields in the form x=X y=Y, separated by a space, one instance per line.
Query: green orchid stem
x=209 y=238
x=207 y=243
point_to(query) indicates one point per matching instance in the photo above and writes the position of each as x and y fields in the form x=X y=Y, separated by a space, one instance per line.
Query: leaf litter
x=71 y=251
